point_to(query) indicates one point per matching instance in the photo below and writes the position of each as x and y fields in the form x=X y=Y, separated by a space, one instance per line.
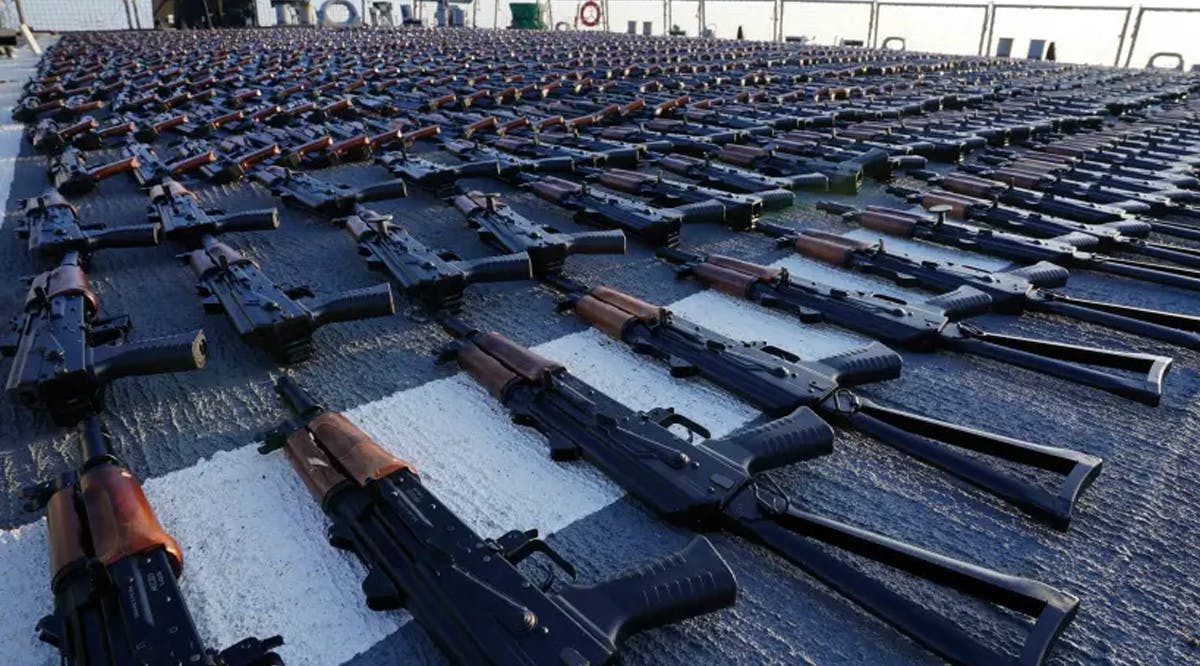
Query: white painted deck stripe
x=13 y=75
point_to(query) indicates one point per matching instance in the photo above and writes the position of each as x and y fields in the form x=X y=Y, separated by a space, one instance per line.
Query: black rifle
x=152 y=169
x=1011 y=291
x=779 y=382
x=436 y=278
x=505 y=229
x=69 y=172
x=63 y=355
x=235 y=157
x=266 y=316
x=652 y=225
x=719 y=484
x=927 y=326
x=1064 y=207
x=844 y=176
x=333 y=200
x=49 y=136
x=114 y=570
x=1114 y=236
x=463 y=589
x=1019 y=248
x=696 y=202
x=774 y=191
x=184 y=221
x=436 y=177
x=53 y=228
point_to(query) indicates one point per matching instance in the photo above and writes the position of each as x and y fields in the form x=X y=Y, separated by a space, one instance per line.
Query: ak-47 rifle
x=844 y=176
x=927 y=326
x=49 y=136
x=234 y=158
x=153 y=170
x=652 y=225
x=53 y=228
x=505 y=229
x=185 y=222
x=994 y=193
x=720 y=484
x=993 y=203
x=779 y=382
x=436 y=278
x=266 y=316
x=696 y=202
x=113 y=572
x=463 y=589
x=1014 y=247
x=63 y=355
x=69 y=172
x=331 y=199
x=1011 y=291
x=773 y=191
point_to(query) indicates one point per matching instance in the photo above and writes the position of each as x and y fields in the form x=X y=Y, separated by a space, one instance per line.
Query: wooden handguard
x=191 y=163
x=959 y=205
x=312 y=465
x=171 y=188
x=610 y=311
x=970 y=185
x=65 y=531
x=624 y=180
x=1019 y=178
x=835 y=251
x=483 y=124
x=516 y=358
x=113 y=168
x=120 y=519
x=210 y=259
x=756 y=271
x=888 y=222
x=489 y=372
x=354 y=450
x=64 y=281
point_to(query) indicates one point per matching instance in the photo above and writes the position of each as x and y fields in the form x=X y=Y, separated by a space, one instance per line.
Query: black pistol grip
x=702 y=212
x=352 y=305
x=684 y=584
x=263 y=219
x=801 y=435
x=1042 y=274
x=962 y=302
x=174 y=353
x=136 y=235
x=597 y=242
x=500 y=268
x=389 y=189
x=874 y=363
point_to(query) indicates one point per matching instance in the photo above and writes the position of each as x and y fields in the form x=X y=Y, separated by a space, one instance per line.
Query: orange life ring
x=589 y=13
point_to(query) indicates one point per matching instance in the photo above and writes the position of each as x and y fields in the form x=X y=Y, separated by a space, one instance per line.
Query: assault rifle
x=652 y=225
x=184 y=221
x=992 y=192
x=69 y=172
x=53 y=228
x=774 y=191
x=234 y=158
x=49 y=136
x=927 y=326
x=720 y=484
x=547 y=248
x=435 y=177
x=1012 y=246
x=64 y=355
x=463 y=589
x=334 y=200
x=844 y=177
x=266 y=316
x=152 y=170
x=1011 y=291
x=114 y=569
x=436 y=278
x=696 y=202
x=779 y=382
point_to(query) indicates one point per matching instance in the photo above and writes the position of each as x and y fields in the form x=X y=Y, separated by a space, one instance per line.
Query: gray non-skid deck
x=1131 y=553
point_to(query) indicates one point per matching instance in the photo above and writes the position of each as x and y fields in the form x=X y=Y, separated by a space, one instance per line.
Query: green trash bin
x=526 y=16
